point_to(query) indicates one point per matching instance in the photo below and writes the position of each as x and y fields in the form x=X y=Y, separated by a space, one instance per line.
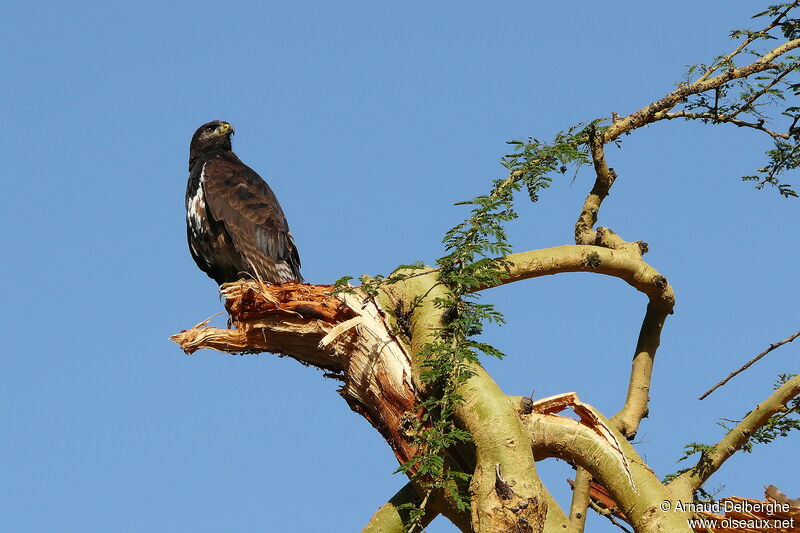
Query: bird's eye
x=210 y=128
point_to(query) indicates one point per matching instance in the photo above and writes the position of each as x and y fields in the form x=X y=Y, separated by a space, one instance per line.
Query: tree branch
x=749 y=39
x=725 y=119
x=656 y=110
x=638 y=274
x=638 y=397
x=507 y=494
x=634 y=487
x=710 y=462
x=610 y=516
x=743 y=108
x=584 y=227
x=587 y=258
x=580 y=499
x=747 y=365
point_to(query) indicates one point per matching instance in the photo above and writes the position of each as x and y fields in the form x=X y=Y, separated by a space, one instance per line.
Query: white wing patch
x=196 y=216
x=196 y=212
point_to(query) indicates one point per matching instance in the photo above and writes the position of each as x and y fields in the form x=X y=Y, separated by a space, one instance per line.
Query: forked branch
x=659 y=109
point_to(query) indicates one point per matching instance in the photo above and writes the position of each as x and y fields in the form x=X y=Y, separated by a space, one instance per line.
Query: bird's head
x=214 y=135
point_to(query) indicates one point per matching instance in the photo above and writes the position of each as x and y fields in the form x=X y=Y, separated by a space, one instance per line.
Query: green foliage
x=533 y=162
x=788 y=26
x=701 y=468
x=474 y=258
x=785 y=156
x=371 y=285
x=475 y=250
x=759 y=99
x=342 y=285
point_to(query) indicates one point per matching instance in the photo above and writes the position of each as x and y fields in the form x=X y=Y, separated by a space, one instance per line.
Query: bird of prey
x=234 y=223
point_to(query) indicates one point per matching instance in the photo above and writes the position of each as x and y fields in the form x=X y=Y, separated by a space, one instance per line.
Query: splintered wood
x=347 y=335
x=555 y=404
x=290 y=318
x=248 y=301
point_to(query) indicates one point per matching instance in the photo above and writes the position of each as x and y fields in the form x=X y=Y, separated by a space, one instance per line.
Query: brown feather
x=253 y=219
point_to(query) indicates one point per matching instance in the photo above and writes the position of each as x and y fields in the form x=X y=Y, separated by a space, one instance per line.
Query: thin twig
x=726 y=119
x=762 y=92
x=750 y=362
x=716 y=104
x=749 y=39
x=608 y=514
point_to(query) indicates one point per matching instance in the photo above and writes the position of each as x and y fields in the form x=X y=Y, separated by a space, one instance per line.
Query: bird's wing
x=244 y=203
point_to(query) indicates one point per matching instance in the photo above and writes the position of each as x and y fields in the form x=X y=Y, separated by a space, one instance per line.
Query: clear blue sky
x=369 y=119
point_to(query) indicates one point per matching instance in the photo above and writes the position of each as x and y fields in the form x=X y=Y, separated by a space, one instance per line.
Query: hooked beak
x=225 y=129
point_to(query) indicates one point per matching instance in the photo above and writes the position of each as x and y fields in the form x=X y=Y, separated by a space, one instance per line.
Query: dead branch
x=749 y=363
x=743 y=510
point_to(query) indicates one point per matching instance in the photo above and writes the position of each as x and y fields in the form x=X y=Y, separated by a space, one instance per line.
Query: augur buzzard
x=235 y=225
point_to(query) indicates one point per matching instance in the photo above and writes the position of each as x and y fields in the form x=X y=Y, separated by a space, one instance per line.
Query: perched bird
x=235 y=225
